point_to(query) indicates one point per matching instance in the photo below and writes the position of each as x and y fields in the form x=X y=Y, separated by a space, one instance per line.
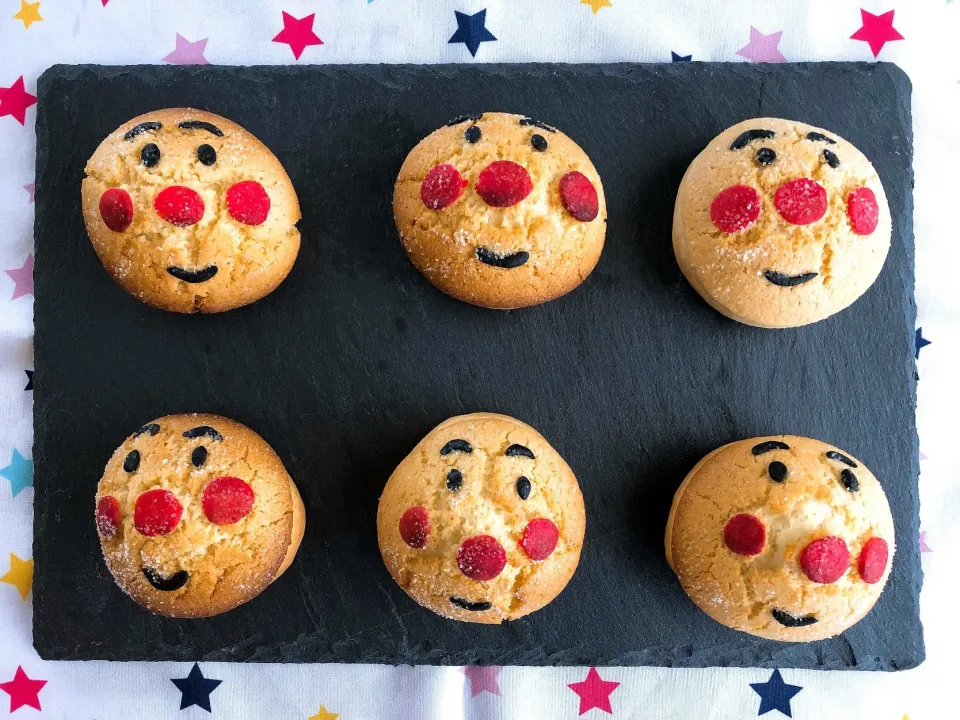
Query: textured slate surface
x=355 y=357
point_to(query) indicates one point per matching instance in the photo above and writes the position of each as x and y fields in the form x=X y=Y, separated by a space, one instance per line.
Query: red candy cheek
x=116 y=209
x=179 y=205
x=539 y=539
x=441 y=187
x=801 y=201
x=745 y=534
x=579 y=196
x=415 y=527
x=108 y=516
x=735 y=209
x=481 y=558
x=863 y=210
x=157 y=512
x=248 y=202
x=873 y=560
x=503 y=183
x=227 y=500
x=825 y=560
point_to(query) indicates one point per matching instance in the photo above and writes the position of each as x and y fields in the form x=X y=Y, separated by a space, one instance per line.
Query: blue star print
x=195 y=689
x=775 y=694
x=471 y=31
x=19 y=472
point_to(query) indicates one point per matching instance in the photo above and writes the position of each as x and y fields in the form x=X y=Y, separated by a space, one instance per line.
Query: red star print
x=15 y=100
x=23 y=691
x=877 y=30
x=594 y=692
x=298 y=33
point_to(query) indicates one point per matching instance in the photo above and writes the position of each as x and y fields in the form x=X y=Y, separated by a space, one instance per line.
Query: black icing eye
x=766 y=156
x=206 y=154
x=199 y=456
x=832 y=160
x=132 y=461
x=472 y=134
x=150 y=155
x=849 y=480
x=539 y=142
x=523 y=487
x=454 y=480
x=777 y=470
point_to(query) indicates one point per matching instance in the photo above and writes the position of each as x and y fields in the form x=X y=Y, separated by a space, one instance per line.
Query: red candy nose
x=415 y=527
x=825 y=560
x=116 y=209
x=579 y=196
x=801 y=201
x=745 y=534
x=863 y=211
x=108 y=515
x=157 y=512
x=735 y=209
x=481 y=558
x=503 y=183
x=539 y=539
x=179 y=205
x=873 y=560
x=248 y=202
x=227 y=500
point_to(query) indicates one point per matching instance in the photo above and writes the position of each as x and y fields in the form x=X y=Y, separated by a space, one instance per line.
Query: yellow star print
x=324 y=714
x=595 y=5
x=29 y=13
x=20 y=575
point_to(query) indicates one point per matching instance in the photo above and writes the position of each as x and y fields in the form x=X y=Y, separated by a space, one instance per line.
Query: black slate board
x=355 y=357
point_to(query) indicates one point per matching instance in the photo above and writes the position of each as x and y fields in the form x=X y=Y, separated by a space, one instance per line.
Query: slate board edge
x=906 y=230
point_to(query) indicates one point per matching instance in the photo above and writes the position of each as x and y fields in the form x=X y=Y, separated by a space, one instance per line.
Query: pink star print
x=298 y=33
x=187 y=53
x=877 y=30
x=924 y=548
x=23 y=690
x=30 y=189
x=762 y=48
x=594 y=692
x=15 y=100
x=482 y=679
x=22 y=278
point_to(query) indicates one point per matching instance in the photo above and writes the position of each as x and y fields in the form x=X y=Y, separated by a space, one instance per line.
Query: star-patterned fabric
x=921 y=37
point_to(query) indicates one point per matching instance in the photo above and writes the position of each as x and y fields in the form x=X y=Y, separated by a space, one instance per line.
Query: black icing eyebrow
x=201 y=125
x=537 y=124
x=457 y=445
x=820 y=137
x=202 y=431
x=520 y=451
x=474 y=117
x=840 y=457
x=748 y=136
x=151 y=429
x=769 y=446
x=143 y=127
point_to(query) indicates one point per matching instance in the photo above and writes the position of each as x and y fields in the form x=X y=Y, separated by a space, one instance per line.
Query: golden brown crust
x=227 y=564
x=740 y=591
x=442 y=244
x=251 y=260
x=727 y=270
x=487 y=503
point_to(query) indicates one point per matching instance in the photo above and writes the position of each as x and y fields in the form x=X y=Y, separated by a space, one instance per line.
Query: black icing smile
x=193 y=276
x=788 y=620
x=782 y=280
x=174 y=582
x=467 y=605
x=513 y=260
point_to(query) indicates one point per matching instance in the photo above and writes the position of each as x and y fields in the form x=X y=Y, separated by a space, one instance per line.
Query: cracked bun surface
x=189 y=212
x=197 y=515
x=779 y=224
x=483 y=521
x=782 y=537
x=500 y=210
